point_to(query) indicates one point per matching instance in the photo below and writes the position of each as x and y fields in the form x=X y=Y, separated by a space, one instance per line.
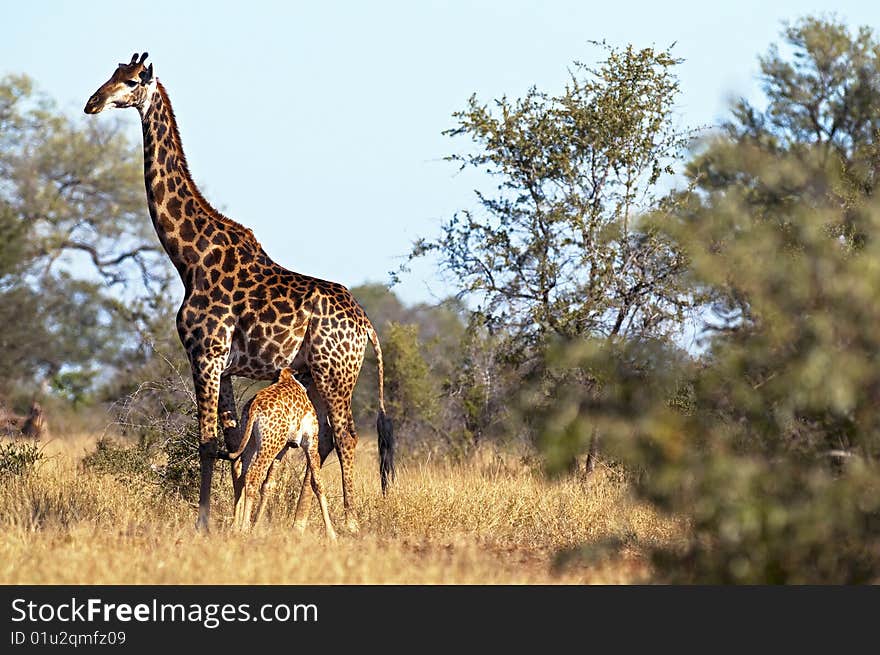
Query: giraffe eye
x=131 y=83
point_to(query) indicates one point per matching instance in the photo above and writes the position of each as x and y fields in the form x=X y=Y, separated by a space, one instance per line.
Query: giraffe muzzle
x=94 y=105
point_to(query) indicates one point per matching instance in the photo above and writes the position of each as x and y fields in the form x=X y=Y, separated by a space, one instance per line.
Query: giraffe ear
x=147 y=74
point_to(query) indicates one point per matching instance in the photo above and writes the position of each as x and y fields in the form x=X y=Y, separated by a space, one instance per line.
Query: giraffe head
x=129 y=86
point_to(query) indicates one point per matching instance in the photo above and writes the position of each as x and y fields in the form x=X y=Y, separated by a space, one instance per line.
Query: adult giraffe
x=243 y=314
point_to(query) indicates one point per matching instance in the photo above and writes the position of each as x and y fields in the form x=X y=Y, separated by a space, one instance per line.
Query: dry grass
x=492 y=520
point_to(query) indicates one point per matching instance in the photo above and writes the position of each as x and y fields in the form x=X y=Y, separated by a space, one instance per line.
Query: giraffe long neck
x=187 y=226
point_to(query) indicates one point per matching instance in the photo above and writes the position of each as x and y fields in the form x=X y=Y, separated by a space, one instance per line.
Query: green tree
x=823 y=92
x=557 y=247
x=413 y=392
x=482 y=383
x=444 y=377
x=822 y=108
x=769 y=443
x=78 y=261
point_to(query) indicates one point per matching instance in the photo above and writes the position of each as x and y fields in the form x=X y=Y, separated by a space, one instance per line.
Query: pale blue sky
x=319 y=124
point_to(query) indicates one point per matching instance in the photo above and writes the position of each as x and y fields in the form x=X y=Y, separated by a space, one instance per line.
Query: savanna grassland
x=491 y=520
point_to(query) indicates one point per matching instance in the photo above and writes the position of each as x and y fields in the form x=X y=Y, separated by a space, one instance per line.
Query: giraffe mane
x=245 y=233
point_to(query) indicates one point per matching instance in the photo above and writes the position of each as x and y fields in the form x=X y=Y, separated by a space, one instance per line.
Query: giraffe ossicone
x=242 y=313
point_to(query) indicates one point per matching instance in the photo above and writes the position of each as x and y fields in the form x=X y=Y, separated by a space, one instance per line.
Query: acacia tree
x=557 y=248
x=769 y=444
x=822 y=108
x=823 y=94
x=412 y=390
x=78 y=259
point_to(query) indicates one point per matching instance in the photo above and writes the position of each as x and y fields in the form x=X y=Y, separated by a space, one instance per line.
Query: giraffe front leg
x=231 y=435
x=206 y=378
x=238 y=511
x=228 y=414
x=245 y=462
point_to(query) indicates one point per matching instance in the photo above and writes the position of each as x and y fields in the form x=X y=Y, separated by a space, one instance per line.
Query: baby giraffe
x=281 y=415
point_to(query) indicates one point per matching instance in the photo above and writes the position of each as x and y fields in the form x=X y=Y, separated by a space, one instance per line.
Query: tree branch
x=101 y=264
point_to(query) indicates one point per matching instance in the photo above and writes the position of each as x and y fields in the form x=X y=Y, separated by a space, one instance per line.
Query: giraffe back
x=277 y=415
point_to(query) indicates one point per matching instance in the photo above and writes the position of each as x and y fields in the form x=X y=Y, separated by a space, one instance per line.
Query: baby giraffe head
x=286 y=375
x=129 y=86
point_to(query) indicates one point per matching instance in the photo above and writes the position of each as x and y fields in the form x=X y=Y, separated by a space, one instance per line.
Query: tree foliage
x=446 y=384
x=413 y=395
x=77 y=253
x=823 y=93
x=821 y=108
x=556 y=248
x=768 y=443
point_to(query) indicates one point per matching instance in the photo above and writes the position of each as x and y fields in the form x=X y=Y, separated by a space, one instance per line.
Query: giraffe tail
x=252 y=416
x=384 y=426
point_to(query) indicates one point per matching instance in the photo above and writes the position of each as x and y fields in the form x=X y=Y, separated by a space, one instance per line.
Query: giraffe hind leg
x=325 y=447
x=346 y=440
x=303 y=503
x=268 y=484
x=335 y=370
x=257 y=474
x=313 y=465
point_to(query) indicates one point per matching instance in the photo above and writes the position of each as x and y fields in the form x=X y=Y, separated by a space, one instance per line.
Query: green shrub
x=160 y=417
x=19 y=457
x=770 y=442
x=114 y=458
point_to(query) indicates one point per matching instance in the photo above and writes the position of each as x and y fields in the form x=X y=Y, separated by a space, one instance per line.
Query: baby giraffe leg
x=237 y=491
x=253 y=479
x=269 y=484
x=314 y=464
x=240 y=491
x=304 y=502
